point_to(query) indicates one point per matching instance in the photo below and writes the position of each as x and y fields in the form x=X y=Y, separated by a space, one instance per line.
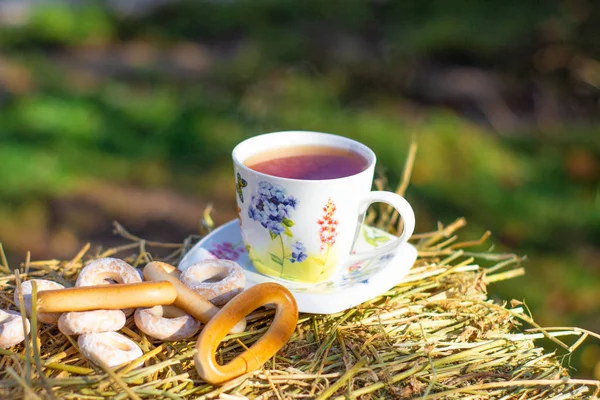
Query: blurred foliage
x=158 y=100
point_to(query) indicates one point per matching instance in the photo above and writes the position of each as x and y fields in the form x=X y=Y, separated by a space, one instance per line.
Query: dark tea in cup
x=308 y=162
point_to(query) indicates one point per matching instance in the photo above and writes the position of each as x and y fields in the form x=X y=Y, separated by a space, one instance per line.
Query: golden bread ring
x=108 y=271
x=280 y=331
x=107 y=297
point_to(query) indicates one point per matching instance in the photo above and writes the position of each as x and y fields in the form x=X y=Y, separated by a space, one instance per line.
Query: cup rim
x=370 y=155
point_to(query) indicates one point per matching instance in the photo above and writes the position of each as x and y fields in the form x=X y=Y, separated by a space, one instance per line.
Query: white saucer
x=350 y=286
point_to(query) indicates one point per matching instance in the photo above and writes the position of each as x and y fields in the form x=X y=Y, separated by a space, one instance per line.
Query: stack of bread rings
x=166 y=304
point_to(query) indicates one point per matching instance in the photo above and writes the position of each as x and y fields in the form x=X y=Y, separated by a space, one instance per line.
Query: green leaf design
x=381 y=239
x=273 y=235
x=288 y=232
x=288 y=222
x=276 y=259
x=374 y=240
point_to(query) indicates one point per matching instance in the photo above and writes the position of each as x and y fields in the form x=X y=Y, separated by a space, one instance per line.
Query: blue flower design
x=278 y=193
x=275 y=227
x=298 y=252
x=284 y=209
x=292 y=202
x=272 y=208
x=256 y=215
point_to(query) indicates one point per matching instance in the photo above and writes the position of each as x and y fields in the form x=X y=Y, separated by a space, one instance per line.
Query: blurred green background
x=129 y=110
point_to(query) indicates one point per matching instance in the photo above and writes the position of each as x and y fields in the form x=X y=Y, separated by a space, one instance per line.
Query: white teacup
x=303 y=230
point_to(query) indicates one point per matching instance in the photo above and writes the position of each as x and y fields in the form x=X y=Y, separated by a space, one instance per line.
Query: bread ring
x=11 y=328
x=110 y=348
x=188 y=300
x=216 y=280
x=201 y=255
x=42 y=285
x=166 y=323
x=107 y=297
x=106 y=271
x=79 y=323
x=280 y=331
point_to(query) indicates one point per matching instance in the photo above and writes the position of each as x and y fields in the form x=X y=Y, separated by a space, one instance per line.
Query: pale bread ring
x=216 y=280
x=79 y=323
x=110 y=348
x=42 y=284
x=166 y=323
x=11 y=328
x=104 y=270
x=201 y=255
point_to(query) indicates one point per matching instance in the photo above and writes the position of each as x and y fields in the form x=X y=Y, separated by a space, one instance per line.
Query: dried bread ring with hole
x=82 y=322
x=201 y=255
x=109 y=348
x=166 y=323
x=42 y=284
x=105 y=271
x=188 y=300
x=280 y=331
x=216 y=280
x=11 y=328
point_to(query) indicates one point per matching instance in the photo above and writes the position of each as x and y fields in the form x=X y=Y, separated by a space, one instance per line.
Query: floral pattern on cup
x=240 y=184
x=298 y=252
x=328 y=228
x=272 y=207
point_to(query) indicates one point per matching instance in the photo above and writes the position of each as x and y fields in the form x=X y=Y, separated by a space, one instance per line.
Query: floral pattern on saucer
x=227 y=250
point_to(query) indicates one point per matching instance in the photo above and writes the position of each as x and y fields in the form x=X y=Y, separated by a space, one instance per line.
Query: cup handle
x=406 y=213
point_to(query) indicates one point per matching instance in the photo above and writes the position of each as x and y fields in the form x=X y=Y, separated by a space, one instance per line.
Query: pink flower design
x=227 y=251
x=328 y=225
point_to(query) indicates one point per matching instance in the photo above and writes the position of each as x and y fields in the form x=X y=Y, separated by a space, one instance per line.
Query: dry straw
x=436 y=335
